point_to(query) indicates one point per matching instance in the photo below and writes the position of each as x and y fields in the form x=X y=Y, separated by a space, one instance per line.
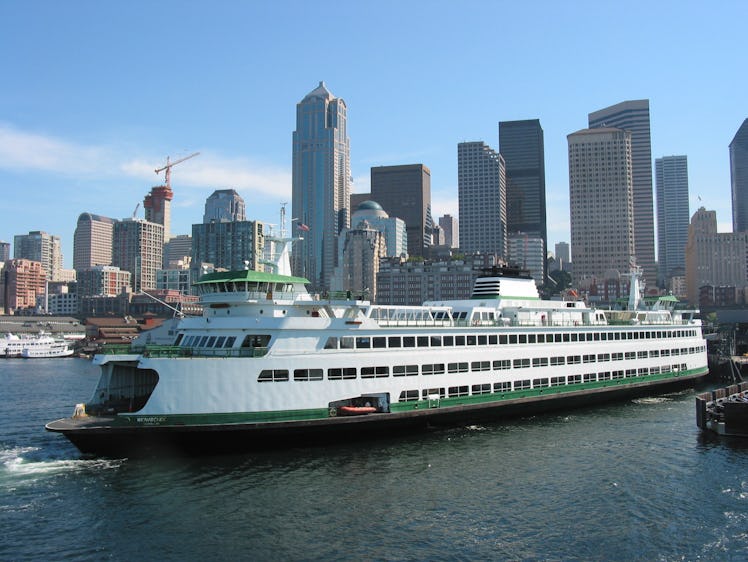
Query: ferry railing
x=175 y=351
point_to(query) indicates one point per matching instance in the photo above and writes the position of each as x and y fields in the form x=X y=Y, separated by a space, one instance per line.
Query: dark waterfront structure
x=633 y=116
x=739 y=178
x=521 y=145
x=405 y=192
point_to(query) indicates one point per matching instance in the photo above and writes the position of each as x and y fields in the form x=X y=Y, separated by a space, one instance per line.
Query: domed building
x=395 y=235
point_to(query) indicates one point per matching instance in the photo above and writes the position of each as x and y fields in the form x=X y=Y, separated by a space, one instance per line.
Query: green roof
x=250 y=276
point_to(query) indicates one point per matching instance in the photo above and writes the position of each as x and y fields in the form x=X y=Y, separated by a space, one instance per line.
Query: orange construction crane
x=168 y=166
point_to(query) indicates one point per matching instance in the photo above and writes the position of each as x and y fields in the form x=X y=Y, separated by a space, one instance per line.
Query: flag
x=302 y=226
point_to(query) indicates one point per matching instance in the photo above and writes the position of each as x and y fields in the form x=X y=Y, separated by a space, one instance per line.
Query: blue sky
x=95 y=95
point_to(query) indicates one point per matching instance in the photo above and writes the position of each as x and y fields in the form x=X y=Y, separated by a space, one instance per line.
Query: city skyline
x=89 y=111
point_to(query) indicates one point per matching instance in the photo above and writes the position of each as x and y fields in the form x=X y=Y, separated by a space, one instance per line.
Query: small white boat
x=34 y=347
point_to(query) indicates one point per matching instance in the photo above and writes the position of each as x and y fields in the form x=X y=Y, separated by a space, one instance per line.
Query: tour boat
x=39 y=346
x=270 y=363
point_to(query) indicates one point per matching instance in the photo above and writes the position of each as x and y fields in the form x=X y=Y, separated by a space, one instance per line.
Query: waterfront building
x=713 y=258
x=42 y=247
x=527 y=251
x=403 y=282
x=92 y=241
x=224 y=205
x=138 y=247
x=233 y=246
x=175 y=279
x=633 y=116
x=601 y=201
x=522 y=147
x=671 y=181
x=405 y=192
x=481 y=185
x=59 y=303
x=4 y=251
x=451 y=228
x=321 y=188
x=739 y=178
x=157 y=206
x=23 y=280
x=361 y=249
x=563 y=257
x=102 y=280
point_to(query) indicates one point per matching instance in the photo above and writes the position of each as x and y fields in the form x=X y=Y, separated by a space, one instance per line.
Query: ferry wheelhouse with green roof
x=270 y=363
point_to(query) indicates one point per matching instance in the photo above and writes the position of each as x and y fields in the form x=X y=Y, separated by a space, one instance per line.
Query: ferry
x=268 y=363
x=41 y=346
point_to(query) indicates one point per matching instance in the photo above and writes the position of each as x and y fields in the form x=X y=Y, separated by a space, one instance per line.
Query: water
x=628 y=481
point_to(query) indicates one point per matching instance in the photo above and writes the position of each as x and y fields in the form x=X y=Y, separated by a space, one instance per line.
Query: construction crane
x=169 y=165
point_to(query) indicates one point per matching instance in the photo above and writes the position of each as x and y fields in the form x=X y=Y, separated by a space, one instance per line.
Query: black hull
x=96 y=436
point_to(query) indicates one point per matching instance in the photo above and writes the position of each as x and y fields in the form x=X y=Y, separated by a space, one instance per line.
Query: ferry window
x=459 y=340
x=482 y=340
x=409 y=341
x=336 y=374
x=471 y=340
x=363 y=343
x=393 y=341
x=502 y=364
x=643 y=371
x=590 y=336
x=202 y=341
x=455 y=391
x=502 y=386
x=540 y=362
x=331 y=343
x=379 y=343
x=604 y=376
x=502 y=340
x=522 y=338
x=422 y=341
x=211 y=341
x=654 y=353
x=540 y=383
x=179 y=339
x=346 y=342
x=230 y=341
x=530 y=338
x=374 y=372
x=574 y=379
x=675 y=351
x=603 y=356
x=433 y=369
x=433 y=393
x=558 y=360
x=521 y=363
x=480 y=366
x=405 y=370
x=565 y=337
x=630 y=373
x=255 y=340
x=521 y=385
x=603 y=336
x=596 y=337
x=588 y=358
x=616 y=356
x=436 y=341
x=641 y=354
x=481 y=389
x=408 y=396
x=273 y=375
x=303 y=375
x=574 y=336
x=220 y=340
x=448 y=341
x=665 y=353
x=618 y=335
x=617 y=374
x=513 y=338
x=493 y=340
x=558 y=338
x=590 y=377
x=457 y=367
x=573 y=359
x=630 y=355
x=541 y=338
x=187 y=342
x=684 y=351
x=558 y=381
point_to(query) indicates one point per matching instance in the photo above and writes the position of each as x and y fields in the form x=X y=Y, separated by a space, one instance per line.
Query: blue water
x=629 y=481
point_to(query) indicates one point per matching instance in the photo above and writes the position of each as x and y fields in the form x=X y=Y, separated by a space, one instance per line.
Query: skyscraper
x=224 y=205
x=521 y=145
x=481 y=186
x=138 y=247
x=92 y=241
x=633 y=116
x=739 y=178
x=321 y=183
x=451 y=230
x=157 y=205
x=671 y=181
x=405 y=192
x=601 y=201
x=41 y=247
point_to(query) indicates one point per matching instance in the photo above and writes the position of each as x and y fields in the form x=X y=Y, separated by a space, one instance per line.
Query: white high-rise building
x=451 y=230
x=321 y=184
x=601 y=201
x=43 y=248
x=481 y=185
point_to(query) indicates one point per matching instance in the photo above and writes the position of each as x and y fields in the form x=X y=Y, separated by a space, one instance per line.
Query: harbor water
x=634 y=480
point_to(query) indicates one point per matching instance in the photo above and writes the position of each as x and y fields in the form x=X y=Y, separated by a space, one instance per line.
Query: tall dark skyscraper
x=521 y=145
x=633 y=116
x=405 y=192
x=739 y=178
x=671 y=184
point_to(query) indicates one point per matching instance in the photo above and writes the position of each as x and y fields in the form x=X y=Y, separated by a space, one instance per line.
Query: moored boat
x=269 y=363
x=40 y=346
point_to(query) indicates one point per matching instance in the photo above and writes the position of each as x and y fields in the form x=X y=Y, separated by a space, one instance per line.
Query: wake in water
x=19 y=465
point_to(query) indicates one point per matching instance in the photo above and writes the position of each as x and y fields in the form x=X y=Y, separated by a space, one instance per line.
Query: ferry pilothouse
x=270 y=363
